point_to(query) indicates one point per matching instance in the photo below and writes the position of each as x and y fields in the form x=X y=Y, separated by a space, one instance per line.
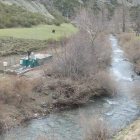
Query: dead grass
x=37 y=84
x=130 y=43
x=94 y=128
x=107 y=82
x=20 y=99
x=14 y=90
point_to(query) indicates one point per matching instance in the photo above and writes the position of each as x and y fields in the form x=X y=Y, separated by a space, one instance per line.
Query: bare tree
x=121 y=18
x=136 y=21
x=91 y=24
x=86 y=52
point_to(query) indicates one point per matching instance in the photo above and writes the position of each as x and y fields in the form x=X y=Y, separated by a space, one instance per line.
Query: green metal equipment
x=34 y=60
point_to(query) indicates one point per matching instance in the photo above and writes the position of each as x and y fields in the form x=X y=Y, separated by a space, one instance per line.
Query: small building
x=34 y=60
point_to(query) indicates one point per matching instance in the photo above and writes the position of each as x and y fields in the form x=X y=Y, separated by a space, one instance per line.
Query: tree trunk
x=124 y=20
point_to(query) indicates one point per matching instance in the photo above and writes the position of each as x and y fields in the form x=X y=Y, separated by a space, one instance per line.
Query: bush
x=27 y=24
x=14 y=90
x=14 y=16
x=78 y=60
x=49 y=22
x=57 y=15
x=37 y=84
x=51 y=41
x=2 y=26
x=94 y=128
x=57 y=22
x=74 y=24
x=107 y=82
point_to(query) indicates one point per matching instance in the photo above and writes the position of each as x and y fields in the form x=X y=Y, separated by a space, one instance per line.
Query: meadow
x=40 y=32
x=15 y=41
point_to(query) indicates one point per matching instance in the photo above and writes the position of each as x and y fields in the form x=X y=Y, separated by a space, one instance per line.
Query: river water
x=119 y=111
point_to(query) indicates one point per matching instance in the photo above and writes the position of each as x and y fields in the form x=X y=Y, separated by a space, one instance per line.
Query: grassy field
x=41 y=32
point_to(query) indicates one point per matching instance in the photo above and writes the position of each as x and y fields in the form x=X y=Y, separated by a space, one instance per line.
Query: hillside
x=14 y=16
x=33 y=5
x=66 y=8
x=17 y=16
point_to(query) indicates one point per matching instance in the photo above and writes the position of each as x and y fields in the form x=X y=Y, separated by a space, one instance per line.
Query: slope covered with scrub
x=32 y=5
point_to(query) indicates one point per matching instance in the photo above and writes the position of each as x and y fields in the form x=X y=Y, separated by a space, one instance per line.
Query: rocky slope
x=40 y=5
x=33 y=5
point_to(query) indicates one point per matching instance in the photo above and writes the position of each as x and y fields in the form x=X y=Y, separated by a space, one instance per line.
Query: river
x=119 y=111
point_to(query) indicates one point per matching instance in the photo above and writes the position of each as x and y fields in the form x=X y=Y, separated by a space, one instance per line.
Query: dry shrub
x=125 y=37
x=79 y=60
x=131 y=46
x=132 y=49
x=14 y=90
x=79 y=63
x=107 y=82
x=74 y=61
x=37 y=84
x=103 y=50
x=84 y=53
x=94 y=128
x=69 y=92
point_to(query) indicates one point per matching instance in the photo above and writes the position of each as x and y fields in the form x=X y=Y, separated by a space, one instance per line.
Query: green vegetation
x=20 y=40
x=58 y=17
x=111 y=7
x=134 y=11
x=66 y=7
x=41 y=32
x=130 y=44
x=14 y=16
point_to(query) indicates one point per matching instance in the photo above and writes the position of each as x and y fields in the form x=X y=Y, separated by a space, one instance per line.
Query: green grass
x=41 y=32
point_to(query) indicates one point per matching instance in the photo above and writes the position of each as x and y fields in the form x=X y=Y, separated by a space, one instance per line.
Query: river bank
x=21 y=102
x=119 y=111
x=130 y=44
x=39 y=92
x=131 y=132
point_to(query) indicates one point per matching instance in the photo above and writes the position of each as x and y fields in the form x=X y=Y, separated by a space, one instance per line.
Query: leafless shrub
x=94 y=128
x=37 y=84
x=131 y=46
x=14 y=90
x=84 y=55
x=86 y=52
x=73 y=63
x=78 y=59
x=70 y=92
x=126 y=37
x=107 y=82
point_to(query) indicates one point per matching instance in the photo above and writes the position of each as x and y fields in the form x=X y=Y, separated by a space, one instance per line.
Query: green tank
x=34 y=60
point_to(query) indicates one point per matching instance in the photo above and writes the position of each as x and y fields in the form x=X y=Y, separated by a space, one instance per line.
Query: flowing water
x=119 y=111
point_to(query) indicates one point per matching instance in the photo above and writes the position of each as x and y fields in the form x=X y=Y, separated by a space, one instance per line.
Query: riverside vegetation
x=130 y=43
x=15 y=16
x=70 y=79
x=73 y=77
x=19 y=40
